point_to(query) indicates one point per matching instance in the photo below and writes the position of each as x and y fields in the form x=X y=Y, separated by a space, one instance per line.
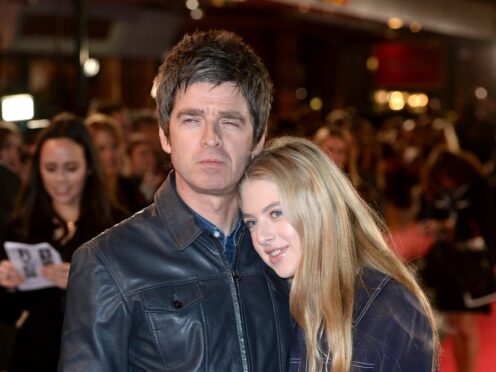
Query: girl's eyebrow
x=265 y=210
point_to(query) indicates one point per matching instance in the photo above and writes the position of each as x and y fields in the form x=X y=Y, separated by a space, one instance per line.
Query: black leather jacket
x=155 y=293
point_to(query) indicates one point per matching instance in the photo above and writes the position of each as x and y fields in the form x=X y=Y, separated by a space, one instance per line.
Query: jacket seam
x=112 y=275
x=372 y=298
x=276 y=324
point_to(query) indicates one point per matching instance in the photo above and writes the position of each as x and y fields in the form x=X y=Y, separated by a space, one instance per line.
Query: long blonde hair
x=340 y=236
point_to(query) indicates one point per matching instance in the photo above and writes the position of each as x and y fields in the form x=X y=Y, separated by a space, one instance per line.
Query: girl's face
x=274 y=239
x=63 y=170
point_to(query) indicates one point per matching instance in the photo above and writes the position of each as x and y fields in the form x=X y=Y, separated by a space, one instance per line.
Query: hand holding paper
x=9 y=276
x=57 y=274
x=29 y=260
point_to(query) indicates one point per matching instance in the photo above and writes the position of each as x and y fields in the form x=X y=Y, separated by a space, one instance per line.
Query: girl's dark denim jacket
x=391 y=332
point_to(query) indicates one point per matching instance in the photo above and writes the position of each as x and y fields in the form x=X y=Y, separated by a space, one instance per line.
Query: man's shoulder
x=128 y=235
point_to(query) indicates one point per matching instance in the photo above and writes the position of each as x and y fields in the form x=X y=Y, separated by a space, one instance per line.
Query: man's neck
x=221 y=210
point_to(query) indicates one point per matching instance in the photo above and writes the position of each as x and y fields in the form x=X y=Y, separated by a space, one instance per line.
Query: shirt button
x=177 y=304
x=216 y=234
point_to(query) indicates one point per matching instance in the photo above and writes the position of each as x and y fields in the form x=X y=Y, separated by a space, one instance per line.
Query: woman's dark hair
x=34 y=215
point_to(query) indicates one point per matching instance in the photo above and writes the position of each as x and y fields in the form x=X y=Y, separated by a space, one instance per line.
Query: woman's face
x=108 y=151
x=142 y=159
x=274 y=239
x=337 y=149
x=63 y=170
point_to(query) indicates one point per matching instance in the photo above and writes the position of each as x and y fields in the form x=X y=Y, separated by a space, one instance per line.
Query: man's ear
x=258 y=147
x=164 y=141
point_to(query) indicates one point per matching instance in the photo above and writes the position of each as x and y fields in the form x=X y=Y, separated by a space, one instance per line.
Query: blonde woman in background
x=357 y=306
x=109 y=143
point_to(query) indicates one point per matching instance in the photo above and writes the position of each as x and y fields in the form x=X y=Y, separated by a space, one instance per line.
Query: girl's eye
x=276 y=213
x=250 y=224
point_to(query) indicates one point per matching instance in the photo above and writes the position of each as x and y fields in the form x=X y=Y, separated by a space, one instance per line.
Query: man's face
x=210 y=139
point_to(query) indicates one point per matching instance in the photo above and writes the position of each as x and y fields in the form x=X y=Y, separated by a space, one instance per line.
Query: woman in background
x=459 y=270
x=64 y=202
x=144 y=168
x=357 y=306
x=10 y=171
x=109 y=143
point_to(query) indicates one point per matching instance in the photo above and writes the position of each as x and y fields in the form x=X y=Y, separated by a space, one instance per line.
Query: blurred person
x=10 y=181
x=357 y=306
x=144 y=166
x=336 y=142
x=117 y=111
x=145 y=121
x=110 y=147
x=10 y=148
x=458 y=266
x=10 y=172
x=178 y=285
x=63 y=202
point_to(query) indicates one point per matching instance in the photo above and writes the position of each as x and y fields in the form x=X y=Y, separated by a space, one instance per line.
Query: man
x=178 y=286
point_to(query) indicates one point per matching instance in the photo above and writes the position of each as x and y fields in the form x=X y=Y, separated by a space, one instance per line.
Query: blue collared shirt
x=228 y=243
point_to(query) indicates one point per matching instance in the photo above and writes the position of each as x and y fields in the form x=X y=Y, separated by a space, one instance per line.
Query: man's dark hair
x=215 y=57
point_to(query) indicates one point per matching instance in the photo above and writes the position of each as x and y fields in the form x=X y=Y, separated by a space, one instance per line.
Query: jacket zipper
x=236 y=300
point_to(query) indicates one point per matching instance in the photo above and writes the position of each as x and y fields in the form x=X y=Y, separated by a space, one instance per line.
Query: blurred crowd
x=64 y=184
x=432 y=179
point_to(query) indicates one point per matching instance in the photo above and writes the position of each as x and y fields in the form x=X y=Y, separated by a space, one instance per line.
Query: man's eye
x=230 y=123
x=276 y=213
x=190 y=120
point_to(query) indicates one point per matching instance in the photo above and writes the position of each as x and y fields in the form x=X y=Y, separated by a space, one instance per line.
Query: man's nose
x=211 y=135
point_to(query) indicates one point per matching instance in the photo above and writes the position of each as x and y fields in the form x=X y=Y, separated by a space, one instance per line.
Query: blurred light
x=438 y=124
x=153 y=91
x=480 y=93
x=381 y=97
x=304 y=7
x=372 y=63
x=192 y=4
x=396 y=101
x=91 y=67
x=395 y=23
x=316 y=104
x=218 y=3
x=418 y=100
x=415 y=26
x=17 y=107
x=301 y=93
x=38 y=124
x=409 y=125
x=196 y=14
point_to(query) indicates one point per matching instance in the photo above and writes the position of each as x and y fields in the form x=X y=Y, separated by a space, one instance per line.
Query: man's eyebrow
x=190 y=112
x=232 y=115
